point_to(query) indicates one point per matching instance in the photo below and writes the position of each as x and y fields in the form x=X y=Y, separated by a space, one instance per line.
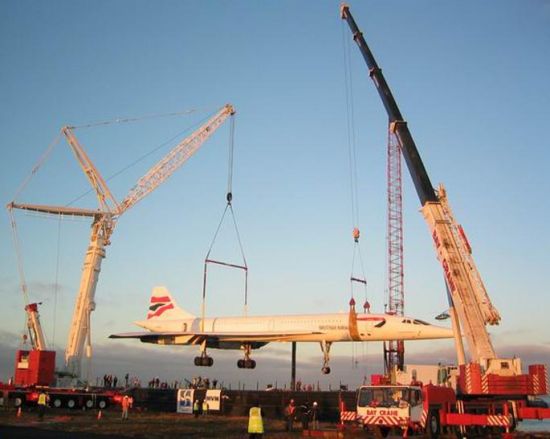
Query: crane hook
x=356 y=234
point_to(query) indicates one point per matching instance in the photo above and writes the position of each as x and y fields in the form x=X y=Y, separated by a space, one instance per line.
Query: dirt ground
x=85 y=425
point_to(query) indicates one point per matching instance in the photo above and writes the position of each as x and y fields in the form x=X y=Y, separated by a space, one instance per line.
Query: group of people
x=203 y=383
x=303 y=413
x=44 y=399
x=200 y=407
x=156 y=383
x=110 y=381
x=299 y=386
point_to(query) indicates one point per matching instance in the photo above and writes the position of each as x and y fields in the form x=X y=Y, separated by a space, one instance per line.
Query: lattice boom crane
x=104 y=221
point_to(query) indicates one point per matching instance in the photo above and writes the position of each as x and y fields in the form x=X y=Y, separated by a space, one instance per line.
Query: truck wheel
x=102 y=404
x=17 y=402
x=71 y=403
x=57 y=403
x=89 y=403
x=433 y=425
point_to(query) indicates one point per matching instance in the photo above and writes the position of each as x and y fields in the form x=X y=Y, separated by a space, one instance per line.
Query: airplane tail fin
x=163 y=306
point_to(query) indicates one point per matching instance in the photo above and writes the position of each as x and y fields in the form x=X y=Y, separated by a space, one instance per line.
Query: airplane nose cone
x=436 y=332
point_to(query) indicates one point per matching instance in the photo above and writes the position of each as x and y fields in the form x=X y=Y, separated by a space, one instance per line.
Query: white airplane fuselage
x=337 y=327
x=168 y=324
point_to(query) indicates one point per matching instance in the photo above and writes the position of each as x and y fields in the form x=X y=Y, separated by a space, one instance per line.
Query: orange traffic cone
x=19 y=412
x=99 y=415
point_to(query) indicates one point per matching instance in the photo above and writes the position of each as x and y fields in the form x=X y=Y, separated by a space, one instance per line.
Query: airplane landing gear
x=204 y=359
x=247 y=362
x=325 y=347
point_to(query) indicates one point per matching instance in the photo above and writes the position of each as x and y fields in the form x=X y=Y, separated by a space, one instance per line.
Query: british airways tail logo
x=158 y=306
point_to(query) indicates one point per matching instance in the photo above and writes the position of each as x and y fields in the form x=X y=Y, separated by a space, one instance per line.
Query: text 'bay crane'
x=104 y=221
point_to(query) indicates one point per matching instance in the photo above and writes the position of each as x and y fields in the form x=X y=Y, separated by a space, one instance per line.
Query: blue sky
x=470 y=78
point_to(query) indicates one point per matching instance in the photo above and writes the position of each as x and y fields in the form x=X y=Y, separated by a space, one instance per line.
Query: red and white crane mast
x=394 y=350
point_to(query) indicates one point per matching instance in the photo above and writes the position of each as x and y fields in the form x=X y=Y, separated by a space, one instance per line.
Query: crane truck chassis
x=35 y=372
x=437 y=409
x=71 y=398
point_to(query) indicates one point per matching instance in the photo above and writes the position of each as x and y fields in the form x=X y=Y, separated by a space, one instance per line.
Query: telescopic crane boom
x=104 y=221
x=36 y=334
x=34 y=327
x=464 y=283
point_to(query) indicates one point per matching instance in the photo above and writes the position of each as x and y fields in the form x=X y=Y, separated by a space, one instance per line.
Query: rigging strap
x=243 y=266
x=36 y=167
x=228 y=207
x=353 y=179
x=357 y=256
x=16 y=243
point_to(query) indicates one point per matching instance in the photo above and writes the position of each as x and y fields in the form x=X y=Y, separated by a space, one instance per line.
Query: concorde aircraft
x=168 y=324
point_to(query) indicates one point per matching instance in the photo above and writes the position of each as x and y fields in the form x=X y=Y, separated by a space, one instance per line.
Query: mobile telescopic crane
x=105 y=219
x=489 y=392
x=468 y=294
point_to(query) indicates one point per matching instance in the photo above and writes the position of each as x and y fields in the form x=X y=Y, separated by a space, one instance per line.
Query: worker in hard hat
x=290 y=413
x=255 y=421
x=43 y=399
x=126 y=403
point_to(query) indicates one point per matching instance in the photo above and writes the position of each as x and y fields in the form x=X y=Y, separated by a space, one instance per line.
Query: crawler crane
x=490 y=391
x=105 y=219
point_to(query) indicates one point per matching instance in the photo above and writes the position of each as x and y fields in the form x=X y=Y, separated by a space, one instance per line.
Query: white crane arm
x=94 y=177
x=471 y=312
x=54 y=210
x=490 y=314
x=174 y=159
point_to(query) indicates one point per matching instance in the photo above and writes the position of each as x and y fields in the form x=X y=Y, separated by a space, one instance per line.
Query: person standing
x=304 y=416
x=125 y=407
x=205 y=407
x=42 y=403
x=196 y=406
x=255 y=421
x=290 y=412
x=315 y=415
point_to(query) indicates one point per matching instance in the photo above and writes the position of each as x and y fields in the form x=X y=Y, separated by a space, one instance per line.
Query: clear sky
x=471 y=79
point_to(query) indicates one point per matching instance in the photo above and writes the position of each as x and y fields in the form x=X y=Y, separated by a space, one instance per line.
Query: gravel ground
x=72 y=424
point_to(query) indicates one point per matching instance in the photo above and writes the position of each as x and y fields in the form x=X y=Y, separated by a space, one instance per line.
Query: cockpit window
x=380 y=324
x=420 y=322
x=406 y=321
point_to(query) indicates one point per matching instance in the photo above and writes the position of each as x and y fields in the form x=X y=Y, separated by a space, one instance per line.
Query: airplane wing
x=214 y=339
